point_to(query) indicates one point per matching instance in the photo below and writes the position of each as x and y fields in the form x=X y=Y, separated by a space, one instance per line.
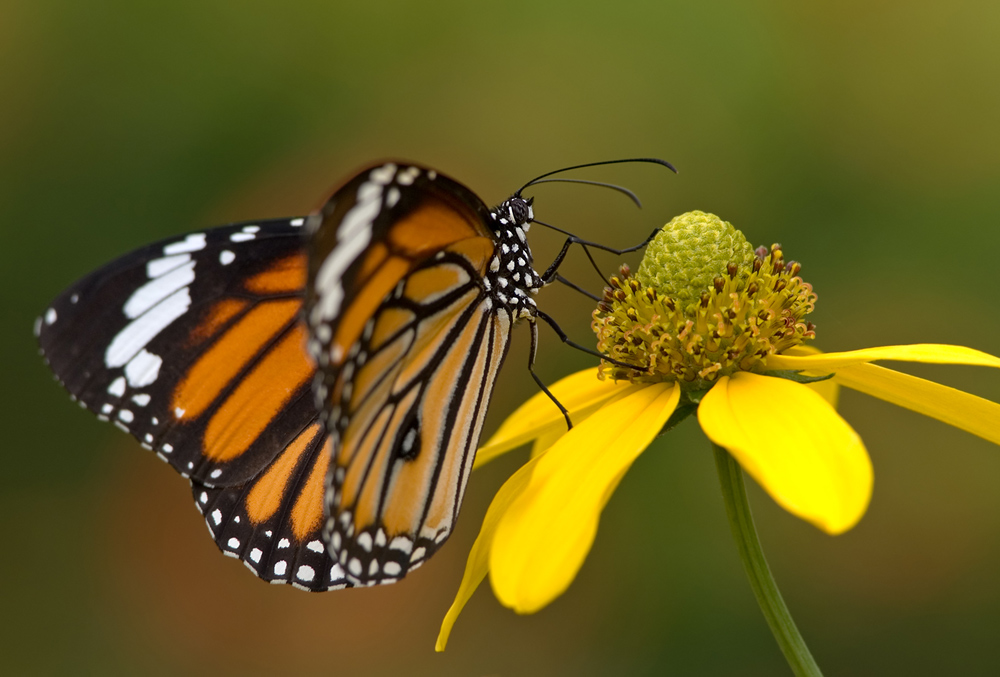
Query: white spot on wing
x=383 y=174
x=401 y=543
x=192 y=243
x=157 y=289
x=158 y=267
x=126 y=415
x=143 y=369
x=226 y=257
x=142 y=330
x=117 y=387
x=255 y=555
x=280 y=567
x=142 y=399
x=241 y=237
x=305 y=573
x=331 y=292
x=406 y=177
x=50 y=316
x=296 y=222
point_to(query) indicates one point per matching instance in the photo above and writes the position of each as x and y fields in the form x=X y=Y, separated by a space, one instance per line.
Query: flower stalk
x=754 y=563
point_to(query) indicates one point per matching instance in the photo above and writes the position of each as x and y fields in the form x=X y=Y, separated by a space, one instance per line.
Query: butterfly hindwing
x=273 y=523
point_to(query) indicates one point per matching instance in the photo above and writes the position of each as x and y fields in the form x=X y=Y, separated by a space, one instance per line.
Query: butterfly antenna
x=612 y=186
x=649 y=160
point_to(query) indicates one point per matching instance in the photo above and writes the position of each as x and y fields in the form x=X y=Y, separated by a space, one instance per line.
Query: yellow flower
x=729 y=350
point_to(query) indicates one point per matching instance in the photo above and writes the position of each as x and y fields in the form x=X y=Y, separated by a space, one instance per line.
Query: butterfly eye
x=519 y=208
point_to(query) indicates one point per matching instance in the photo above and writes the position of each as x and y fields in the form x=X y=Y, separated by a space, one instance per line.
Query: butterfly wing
x=409 y=343
x=273 y=522
x=195 y=346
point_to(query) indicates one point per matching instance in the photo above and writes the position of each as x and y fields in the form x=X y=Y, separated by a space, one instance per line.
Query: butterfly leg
x=576 y=287
x=531 y=370
x=573 y=344
x=551 y=273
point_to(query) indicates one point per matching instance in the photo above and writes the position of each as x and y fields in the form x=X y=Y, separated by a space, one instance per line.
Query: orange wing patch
x=367 y=301
x=367 y=505
x=307 y=515
x=360 y=457
x=432 y=226
x=265 y=497
x=256 y=401
x=371 y=374
x=285 y=276
x=216 y=318
x=478 y=251
x=430 y=284
x=216 y=368
x=376 y=255
x=430 y=332
x=389 y=322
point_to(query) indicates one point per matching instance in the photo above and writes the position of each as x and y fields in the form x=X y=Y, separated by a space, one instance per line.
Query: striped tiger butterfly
x=322 y=381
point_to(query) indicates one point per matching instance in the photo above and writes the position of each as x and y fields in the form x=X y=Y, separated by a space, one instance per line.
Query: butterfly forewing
x=409 y=344
x=195 y=346
x=176 y=341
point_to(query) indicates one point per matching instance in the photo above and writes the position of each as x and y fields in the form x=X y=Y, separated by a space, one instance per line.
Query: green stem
x=764 y=588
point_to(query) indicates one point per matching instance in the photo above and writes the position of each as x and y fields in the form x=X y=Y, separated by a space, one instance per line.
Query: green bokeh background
x=863 y=136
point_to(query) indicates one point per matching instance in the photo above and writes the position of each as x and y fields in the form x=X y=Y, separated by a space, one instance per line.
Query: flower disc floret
x=749 y=308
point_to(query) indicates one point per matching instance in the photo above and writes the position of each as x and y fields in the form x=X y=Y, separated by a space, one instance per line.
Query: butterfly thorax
x=510 y=278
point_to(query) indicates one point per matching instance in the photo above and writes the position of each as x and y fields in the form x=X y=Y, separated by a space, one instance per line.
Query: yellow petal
x=581 y=393
x=543 y=538
x=962 y=410
x=477 y=565
x=828 y=389
x=546 y=440
x=794 y=444
x=923 y=352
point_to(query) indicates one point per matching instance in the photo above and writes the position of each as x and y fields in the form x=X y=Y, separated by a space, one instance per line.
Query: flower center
x=704 y=304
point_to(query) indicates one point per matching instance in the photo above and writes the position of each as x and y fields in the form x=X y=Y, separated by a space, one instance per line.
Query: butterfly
x=322 y=381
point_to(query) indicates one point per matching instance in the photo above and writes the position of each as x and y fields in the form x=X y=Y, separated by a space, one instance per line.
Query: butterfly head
x=514 y=212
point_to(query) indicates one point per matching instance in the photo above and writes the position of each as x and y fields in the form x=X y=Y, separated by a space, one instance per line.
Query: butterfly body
x=321 y=381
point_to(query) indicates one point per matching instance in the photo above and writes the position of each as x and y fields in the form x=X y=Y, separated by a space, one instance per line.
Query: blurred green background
x=863 y=136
